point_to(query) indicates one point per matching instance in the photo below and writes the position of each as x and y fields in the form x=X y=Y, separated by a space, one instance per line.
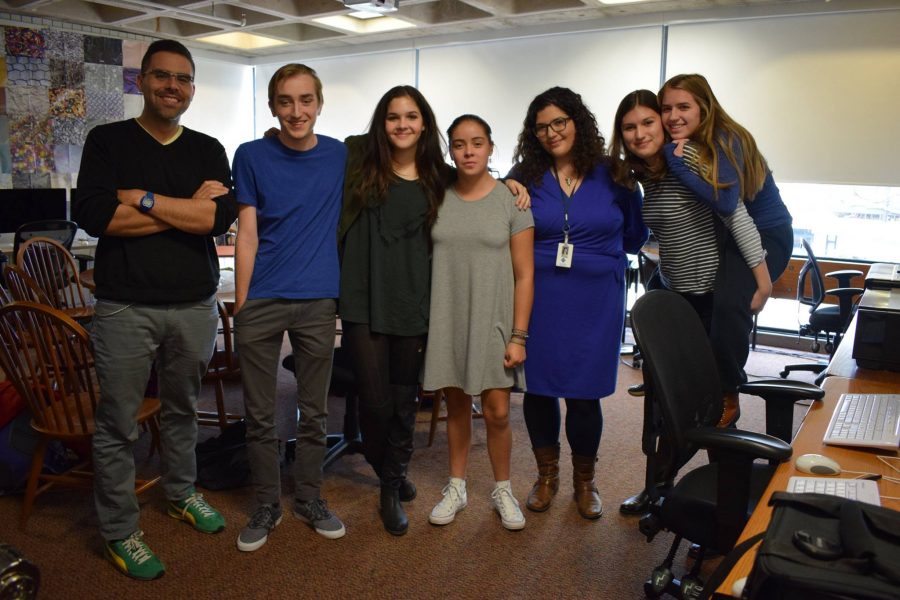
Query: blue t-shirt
x=297 y=195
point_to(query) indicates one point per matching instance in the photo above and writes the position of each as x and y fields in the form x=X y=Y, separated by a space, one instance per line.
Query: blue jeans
x=127 y=338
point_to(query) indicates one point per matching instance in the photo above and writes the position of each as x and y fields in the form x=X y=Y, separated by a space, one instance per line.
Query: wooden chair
x=223 y=365
x=437 y=398
x=53 y=268
x=21 y=287
x=48 y=358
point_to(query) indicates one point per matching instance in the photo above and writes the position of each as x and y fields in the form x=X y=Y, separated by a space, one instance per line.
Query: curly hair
x=589 y=148
x=377 y=169
x=717 y=128
x=626 y=167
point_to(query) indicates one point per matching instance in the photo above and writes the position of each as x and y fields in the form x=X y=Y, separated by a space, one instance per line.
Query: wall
x=55 y=86
x=817 y=91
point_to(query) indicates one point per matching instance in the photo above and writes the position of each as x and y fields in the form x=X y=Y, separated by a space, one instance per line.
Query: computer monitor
x=25 y=205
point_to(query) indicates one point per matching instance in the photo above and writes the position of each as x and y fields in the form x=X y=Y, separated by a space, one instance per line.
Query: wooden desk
x=809 y=439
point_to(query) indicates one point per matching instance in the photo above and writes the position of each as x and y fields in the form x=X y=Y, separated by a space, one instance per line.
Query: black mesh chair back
x=679 y=360
x=58 y=230
x=811 y=272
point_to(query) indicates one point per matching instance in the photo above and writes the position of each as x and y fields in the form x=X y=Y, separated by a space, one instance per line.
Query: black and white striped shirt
x=688 y=247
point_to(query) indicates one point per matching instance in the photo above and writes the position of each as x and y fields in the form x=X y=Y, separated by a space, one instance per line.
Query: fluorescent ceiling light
x=370 y=26
x=242 y=41
x=620 y=1
x=364 y=14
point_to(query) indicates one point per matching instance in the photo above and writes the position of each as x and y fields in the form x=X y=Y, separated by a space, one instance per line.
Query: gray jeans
x=127 y=338
x=259 y=332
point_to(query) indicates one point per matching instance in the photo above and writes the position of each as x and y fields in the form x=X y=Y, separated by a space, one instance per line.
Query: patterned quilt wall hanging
x=55 y=86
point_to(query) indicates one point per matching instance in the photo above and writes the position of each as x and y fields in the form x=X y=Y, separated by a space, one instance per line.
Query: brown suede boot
x=547 y=483
x=587 y=498
x=731 y=409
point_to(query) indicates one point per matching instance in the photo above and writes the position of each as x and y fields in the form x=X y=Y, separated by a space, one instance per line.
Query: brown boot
x=587 y=498
x=547 y=483
x=731 y=410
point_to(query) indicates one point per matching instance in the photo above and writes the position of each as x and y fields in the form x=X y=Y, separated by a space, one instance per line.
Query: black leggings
x=387 y=374
x=731 y=319
x=584 y=423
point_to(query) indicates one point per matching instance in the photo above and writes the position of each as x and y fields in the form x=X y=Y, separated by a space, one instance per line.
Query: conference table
x=844 y=376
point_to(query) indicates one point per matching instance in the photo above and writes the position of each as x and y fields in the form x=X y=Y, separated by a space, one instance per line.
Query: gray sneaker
x=255 y=534
x=316 y=513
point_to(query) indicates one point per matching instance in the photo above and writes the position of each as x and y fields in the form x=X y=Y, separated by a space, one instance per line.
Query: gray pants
x=259 y=331
x=127 y=338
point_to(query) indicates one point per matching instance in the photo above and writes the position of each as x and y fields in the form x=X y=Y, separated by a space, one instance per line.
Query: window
x=845 y=222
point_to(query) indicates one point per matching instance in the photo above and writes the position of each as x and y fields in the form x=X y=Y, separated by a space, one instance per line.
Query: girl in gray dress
x=481 y=295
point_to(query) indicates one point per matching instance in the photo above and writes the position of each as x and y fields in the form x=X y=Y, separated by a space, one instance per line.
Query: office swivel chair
x=830 y=319
x=711 y=504
x=58 y=230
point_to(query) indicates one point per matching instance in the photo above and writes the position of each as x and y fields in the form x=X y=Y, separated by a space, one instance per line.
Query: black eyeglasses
x=163 y=76
x=558 y=125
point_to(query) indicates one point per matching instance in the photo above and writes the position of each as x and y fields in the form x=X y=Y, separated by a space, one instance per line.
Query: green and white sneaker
x=134 y=557
x=197 y=511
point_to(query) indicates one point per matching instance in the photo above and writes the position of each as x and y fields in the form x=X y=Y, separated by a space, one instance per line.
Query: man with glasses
x=154 y=193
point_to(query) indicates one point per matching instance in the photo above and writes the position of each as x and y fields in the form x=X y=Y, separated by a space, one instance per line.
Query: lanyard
x=566 y=200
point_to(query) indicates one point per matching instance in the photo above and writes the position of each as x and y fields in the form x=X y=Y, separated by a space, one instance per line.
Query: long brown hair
x=377 y=170
x=589 y=148
x=717 y=128
x=626 y=167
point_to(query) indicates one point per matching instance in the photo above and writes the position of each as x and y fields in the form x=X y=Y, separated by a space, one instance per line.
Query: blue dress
x=576 y=322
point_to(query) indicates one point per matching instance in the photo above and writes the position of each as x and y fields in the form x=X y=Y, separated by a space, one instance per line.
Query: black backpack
x=222 y=461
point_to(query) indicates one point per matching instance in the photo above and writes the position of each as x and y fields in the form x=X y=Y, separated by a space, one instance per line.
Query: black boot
x=400 y=439
x=392 y=514
x=639 y=504
x=407 y=491
x=635 y=505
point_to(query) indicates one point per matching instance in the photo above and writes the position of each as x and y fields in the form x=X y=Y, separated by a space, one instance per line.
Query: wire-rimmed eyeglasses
x=164 y=76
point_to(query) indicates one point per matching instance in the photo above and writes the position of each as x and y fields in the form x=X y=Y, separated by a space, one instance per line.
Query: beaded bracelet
x=517 y=340
x=520 y=333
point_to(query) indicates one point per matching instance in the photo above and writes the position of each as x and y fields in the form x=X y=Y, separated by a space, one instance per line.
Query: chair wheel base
x=660 y=582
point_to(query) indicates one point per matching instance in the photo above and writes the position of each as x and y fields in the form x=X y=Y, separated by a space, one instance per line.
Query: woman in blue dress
x=584 y=226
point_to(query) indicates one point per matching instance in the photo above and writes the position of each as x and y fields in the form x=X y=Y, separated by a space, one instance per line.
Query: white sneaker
x=505 y=503
x=454 y=500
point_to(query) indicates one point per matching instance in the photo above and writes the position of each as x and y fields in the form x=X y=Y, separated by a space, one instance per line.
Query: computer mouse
x=817 y=464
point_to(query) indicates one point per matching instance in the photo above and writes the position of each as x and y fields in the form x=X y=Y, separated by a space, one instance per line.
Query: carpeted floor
x=557 y=555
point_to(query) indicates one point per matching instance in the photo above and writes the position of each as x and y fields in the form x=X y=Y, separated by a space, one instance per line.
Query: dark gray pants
x=259 y=331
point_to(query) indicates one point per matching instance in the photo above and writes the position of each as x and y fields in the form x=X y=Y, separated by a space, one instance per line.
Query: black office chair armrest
x=843 y=277
x=844 y=292
x=780 y=396
x=782 y=390
x=737 y=441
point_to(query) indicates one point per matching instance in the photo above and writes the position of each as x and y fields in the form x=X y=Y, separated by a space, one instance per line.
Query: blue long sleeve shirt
x=766 y=208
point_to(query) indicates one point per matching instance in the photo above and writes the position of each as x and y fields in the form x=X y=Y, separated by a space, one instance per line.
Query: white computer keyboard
x=869 y=420
x=864 y=490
